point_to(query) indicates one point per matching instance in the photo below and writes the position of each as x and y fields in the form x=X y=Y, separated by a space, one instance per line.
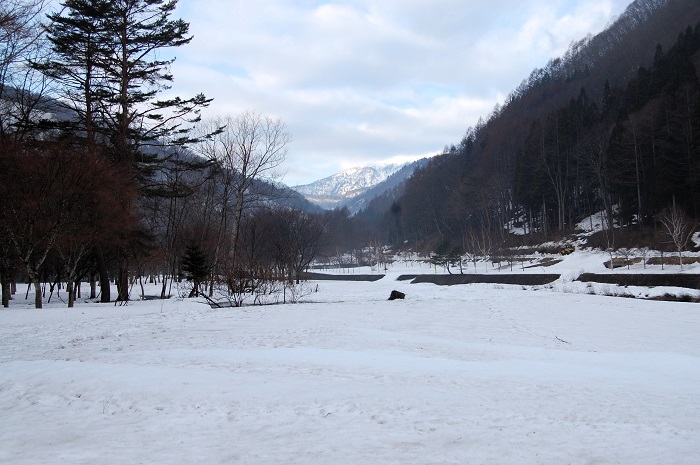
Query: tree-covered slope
x=611 y=126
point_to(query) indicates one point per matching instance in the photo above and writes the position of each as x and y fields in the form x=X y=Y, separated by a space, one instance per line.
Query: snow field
x=463 y=374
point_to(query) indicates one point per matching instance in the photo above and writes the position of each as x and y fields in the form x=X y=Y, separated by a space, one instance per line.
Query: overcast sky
x=362 y=82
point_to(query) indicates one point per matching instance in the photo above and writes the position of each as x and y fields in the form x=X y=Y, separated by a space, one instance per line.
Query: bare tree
x=477 y=243
x=31 y=215
x=19 y=30
x=679 y=227
x=176 y=217
x=21 y=87
x=594 y=158
x=50 y=195
x=627 y=254
x=247 y=149
x=304 y=233
x=94 y=216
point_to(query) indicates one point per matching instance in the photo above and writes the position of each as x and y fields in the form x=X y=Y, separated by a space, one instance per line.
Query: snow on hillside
x=350 y=183
x=458 y=374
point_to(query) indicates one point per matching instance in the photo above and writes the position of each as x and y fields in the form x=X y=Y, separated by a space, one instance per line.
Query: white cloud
x=359 y=81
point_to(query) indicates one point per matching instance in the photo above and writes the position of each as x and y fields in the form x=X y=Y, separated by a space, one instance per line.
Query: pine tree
x=107 y=57
x=195 y=265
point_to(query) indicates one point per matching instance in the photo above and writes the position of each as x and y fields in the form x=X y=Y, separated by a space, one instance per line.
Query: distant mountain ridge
x=339 y=189
x=393 y=183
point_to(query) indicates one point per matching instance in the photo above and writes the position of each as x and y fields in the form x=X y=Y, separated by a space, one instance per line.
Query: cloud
x=360 y=81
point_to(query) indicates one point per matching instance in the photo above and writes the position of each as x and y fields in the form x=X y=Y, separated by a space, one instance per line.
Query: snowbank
x=463 y=374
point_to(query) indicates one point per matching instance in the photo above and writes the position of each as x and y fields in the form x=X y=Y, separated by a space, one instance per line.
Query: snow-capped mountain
x=336 y=189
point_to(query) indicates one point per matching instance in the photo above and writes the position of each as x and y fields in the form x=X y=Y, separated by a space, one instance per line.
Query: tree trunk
x=6 y=289
x=105 y=294
x=5 y=281
x=37 y=292
x=123 y=281
x=164 y=288
x=70 y=287
x=195 y=289
x=93 y=286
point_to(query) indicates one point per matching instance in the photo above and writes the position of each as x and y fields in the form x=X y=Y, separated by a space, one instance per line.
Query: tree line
x=591 y=132
x=104 y=178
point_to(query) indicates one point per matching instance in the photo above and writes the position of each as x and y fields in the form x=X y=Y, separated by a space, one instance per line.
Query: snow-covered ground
x=471 y=374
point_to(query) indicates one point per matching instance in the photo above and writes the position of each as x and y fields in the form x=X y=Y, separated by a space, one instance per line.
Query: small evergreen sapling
x=195 y=265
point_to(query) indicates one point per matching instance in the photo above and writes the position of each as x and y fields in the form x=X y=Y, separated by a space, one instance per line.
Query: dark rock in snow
x=396 y=295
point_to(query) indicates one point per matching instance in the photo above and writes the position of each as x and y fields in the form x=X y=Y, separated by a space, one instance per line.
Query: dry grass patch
x=672 y=260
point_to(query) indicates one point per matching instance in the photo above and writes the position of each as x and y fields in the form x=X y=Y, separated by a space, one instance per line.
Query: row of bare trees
x=228 y=210
x=56 y=203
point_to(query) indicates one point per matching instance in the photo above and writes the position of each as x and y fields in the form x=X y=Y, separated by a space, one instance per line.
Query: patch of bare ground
x=676 y=298
x=622 y=262
x=549 y=261
x=672 y=260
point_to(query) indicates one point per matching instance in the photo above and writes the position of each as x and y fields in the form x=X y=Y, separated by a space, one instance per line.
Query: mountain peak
x=333 y=190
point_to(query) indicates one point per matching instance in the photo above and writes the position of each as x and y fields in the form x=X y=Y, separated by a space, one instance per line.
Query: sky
x=366 y=82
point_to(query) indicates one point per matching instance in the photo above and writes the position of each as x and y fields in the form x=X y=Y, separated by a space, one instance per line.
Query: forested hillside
x=611 y=126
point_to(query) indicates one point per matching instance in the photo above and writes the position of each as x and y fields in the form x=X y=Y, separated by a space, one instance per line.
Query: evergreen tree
x=195 y=265
x=107 y=56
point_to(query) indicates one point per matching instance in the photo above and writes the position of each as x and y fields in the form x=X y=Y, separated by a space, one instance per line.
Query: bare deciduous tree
x=303 y=237
x=679 y=227
x=19 y=29
x=52 y=196
x=21 y=88
x=247 y=149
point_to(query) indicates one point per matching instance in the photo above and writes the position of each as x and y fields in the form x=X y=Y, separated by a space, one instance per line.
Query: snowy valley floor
x=473 y=374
